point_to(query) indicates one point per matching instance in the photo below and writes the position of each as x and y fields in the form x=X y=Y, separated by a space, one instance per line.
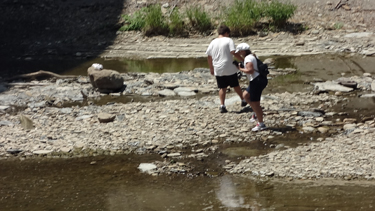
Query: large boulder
x=105 y=80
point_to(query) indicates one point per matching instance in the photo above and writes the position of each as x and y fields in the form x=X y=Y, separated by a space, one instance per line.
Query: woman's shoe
x=259 y=127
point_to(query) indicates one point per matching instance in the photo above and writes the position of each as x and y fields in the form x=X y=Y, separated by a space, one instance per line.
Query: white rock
x=42 y=152
x=147 y=167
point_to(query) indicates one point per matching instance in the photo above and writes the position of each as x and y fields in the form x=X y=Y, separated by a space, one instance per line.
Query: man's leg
x=222 y=93
x=238 y=90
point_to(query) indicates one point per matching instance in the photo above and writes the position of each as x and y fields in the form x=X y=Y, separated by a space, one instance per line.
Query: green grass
x=279 y=12
x=134 y=22
x=242 y=17
x=155 y=23
x=199 y=19
x=176 y=24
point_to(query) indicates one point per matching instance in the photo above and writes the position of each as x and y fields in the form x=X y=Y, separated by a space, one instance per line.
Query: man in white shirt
x=220 y=54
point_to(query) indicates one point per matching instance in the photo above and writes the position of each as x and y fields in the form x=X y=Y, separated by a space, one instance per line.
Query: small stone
x=42 y=152
x=105 y=117
x=147 y=167
x=65 y=149
x=300 y=43
x=174 y=154
x=14 y=151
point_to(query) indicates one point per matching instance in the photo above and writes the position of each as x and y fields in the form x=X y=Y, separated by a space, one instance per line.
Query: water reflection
x=172 y=65
x=115 y=184
x=229 y=197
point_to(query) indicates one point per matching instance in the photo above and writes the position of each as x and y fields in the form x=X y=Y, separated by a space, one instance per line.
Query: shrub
x=135 y=21
x=155 y=23
x=199 y=19
x=280 y=12
x=242 y=15
x=176 y=23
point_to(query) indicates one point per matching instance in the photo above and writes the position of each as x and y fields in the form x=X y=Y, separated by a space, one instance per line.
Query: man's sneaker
x=243 y=103
x=253 y=118
x=259 y=127
x=223 y=109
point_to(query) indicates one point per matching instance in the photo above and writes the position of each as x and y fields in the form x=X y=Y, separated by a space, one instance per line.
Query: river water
x=115 y=183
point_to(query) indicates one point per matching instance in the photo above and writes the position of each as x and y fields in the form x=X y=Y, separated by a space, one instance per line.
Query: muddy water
x=115 y=183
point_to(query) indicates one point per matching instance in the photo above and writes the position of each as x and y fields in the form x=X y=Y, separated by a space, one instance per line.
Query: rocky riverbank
x=38 y=119
x=186 y=117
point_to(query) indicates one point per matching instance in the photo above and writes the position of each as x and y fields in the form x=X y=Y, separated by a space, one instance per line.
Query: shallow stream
x=115 y=183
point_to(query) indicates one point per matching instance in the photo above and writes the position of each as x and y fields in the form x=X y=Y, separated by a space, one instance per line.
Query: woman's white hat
x=242 y=47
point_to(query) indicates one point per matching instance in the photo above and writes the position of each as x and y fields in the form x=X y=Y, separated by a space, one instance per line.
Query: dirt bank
x=87 y=28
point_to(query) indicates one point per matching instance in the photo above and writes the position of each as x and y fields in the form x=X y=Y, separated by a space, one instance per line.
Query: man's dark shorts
x=227 y=80
x=256 y=87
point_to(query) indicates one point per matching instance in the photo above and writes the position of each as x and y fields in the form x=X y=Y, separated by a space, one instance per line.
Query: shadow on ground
x=42 y=30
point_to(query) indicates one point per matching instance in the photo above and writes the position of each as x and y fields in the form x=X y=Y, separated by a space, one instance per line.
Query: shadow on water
x=47 y=30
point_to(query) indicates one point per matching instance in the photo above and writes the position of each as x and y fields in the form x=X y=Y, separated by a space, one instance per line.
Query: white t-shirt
x=252 y=59
x=219 y=49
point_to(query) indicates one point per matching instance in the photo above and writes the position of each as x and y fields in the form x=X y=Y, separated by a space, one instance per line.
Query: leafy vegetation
x=243 y=15
x=134 y=22
x=243 y=18
x=176 y=23
x=279 y=12
x=199 y=19
x=155 y=23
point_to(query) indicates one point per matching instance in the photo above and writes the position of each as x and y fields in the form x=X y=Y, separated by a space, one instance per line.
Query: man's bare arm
x=209 y=60
x=237 y=55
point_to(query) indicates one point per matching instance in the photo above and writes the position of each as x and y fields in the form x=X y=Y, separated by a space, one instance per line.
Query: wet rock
x=310 y=113
x=369 y=52
x=14 y=151
x=147 y=167
x=368 y=95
